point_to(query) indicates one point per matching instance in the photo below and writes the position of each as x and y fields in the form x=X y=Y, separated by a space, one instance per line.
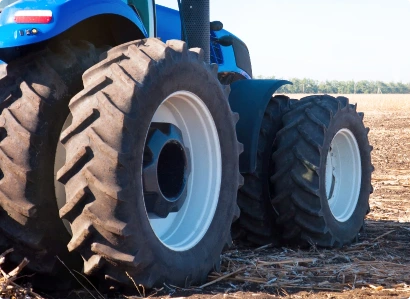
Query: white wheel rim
x=182 y=230
x=343 y=175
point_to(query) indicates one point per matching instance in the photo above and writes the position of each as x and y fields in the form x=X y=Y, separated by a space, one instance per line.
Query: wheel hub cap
x=166 y=170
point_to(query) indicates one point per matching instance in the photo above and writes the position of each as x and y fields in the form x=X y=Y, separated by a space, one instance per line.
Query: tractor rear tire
x=139 y=85
x=258 y=220
x=321 y=180
x=34 y=96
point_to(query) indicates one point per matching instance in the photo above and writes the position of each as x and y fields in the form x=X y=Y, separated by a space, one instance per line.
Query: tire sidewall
x=346 y=119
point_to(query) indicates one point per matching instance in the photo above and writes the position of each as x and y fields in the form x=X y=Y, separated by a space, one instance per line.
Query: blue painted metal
x=168 y=23
x=229 y=60
x=216 y=51
x=250 y=98
x=66 y=13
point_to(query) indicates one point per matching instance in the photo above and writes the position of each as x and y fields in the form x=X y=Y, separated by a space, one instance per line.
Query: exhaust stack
x=195 y=24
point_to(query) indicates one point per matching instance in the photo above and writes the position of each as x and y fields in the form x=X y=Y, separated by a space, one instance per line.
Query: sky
x=321 y=39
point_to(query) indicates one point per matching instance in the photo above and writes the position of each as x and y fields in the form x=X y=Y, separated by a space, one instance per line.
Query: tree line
x=343 y=87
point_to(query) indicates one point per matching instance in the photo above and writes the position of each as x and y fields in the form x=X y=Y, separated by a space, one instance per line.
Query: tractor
x=127 y=128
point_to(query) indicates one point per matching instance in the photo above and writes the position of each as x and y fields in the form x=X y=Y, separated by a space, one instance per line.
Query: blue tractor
x=127 y=128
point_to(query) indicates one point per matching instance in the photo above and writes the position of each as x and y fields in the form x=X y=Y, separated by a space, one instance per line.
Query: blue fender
x=66 y=13
x=250 y=98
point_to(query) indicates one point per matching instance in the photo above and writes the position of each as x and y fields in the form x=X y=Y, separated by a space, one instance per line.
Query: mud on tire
x=314 y=204
x=105 y=154
x=34 y=94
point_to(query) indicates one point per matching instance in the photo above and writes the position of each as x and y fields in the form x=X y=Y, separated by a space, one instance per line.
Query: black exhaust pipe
x=195 y=24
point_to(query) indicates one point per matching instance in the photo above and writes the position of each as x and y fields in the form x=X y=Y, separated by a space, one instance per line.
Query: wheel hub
x=166 y=169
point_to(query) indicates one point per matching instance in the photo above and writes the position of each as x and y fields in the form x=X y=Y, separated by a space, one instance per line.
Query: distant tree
x=311 y=86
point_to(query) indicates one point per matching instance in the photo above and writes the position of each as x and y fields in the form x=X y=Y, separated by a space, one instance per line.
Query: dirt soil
x=376 y=266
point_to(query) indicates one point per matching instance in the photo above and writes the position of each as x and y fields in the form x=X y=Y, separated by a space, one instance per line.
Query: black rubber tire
x=298 y=178
x=102 y=175
x=33 y=96
x=257 y=220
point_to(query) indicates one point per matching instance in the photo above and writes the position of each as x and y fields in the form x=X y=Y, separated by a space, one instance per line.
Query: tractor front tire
x=321 y=179
x=152 y=171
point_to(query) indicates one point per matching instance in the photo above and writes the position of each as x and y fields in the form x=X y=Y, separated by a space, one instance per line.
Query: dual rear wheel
x=314 y=174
